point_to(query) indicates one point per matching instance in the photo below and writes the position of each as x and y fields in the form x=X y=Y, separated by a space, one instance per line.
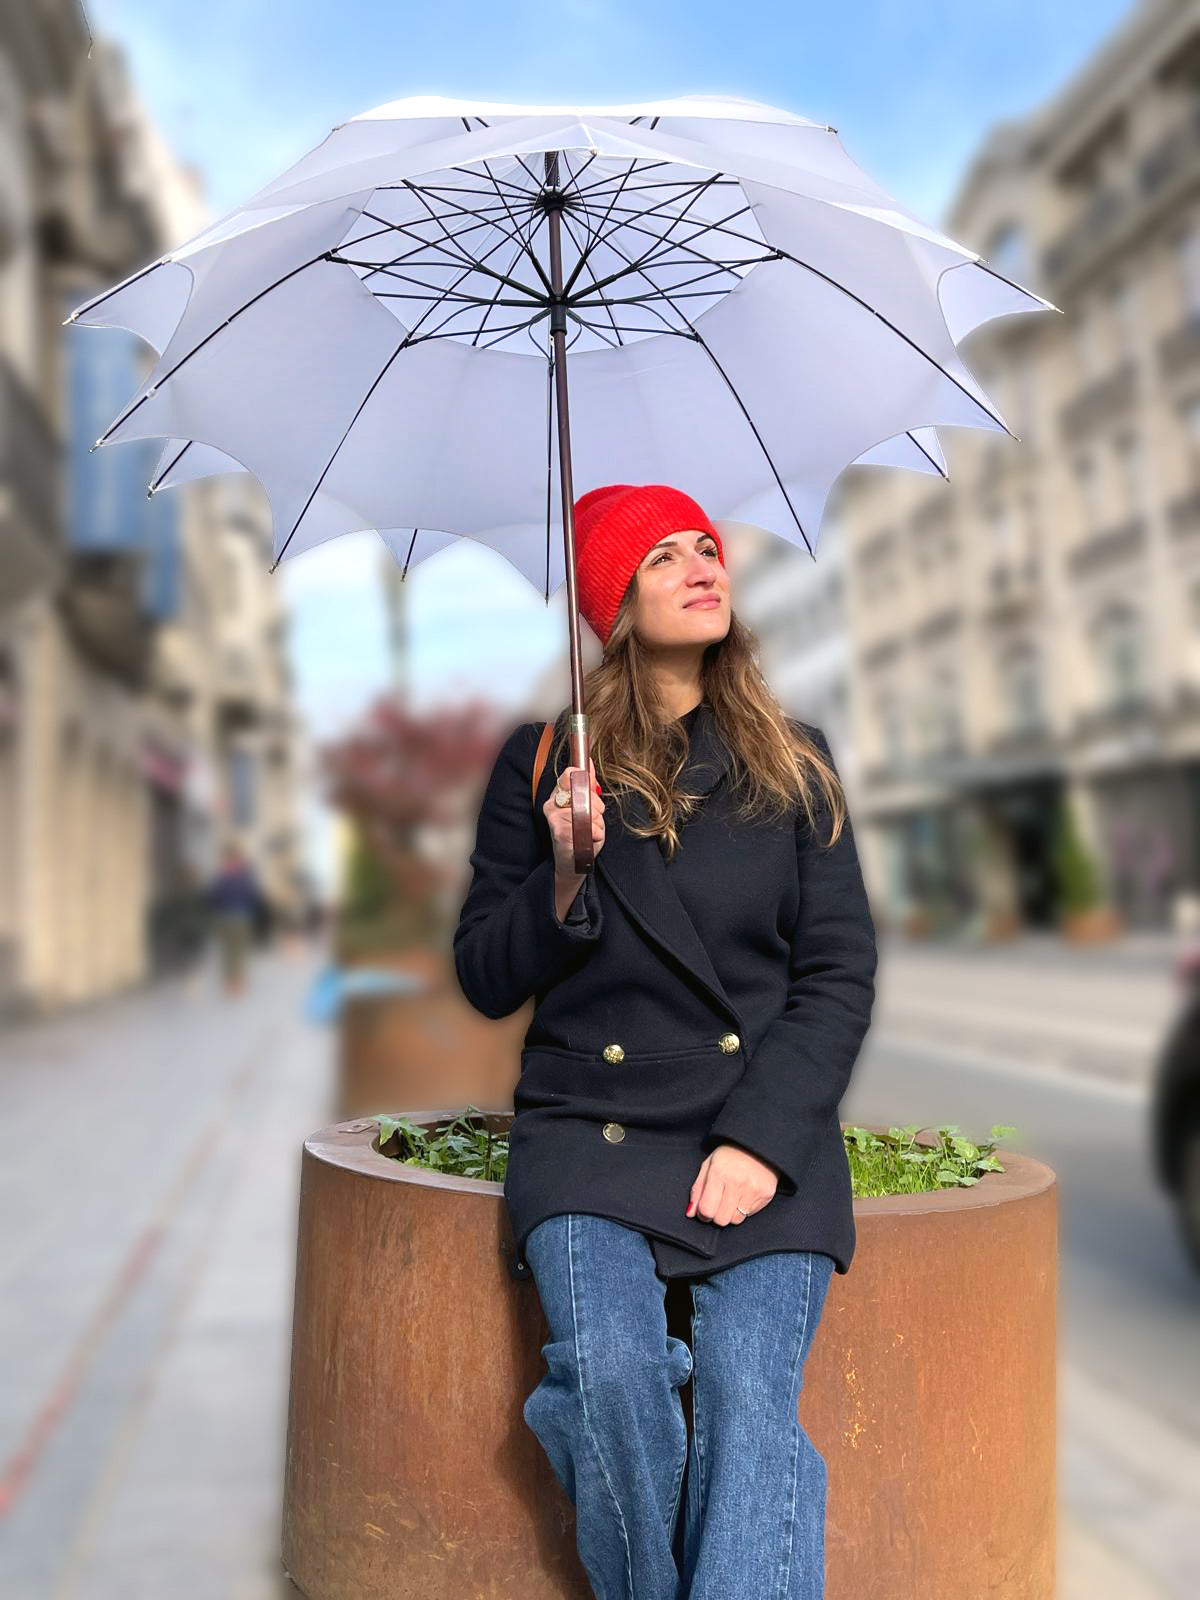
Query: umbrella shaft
x=558 y=334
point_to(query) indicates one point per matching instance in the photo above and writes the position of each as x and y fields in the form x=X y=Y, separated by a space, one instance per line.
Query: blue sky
x=242 y=88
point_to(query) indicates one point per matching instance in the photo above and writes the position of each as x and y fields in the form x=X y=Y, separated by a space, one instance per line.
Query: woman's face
x=682 y=592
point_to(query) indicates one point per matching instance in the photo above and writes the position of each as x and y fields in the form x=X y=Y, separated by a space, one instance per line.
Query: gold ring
x=562 y=797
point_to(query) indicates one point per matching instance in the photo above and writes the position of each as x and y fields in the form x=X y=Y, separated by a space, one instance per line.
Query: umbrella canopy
x=746 y=312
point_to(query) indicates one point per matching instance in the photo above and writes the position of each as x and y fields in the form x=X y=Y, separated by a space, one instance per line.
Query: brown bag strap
x=539 y=760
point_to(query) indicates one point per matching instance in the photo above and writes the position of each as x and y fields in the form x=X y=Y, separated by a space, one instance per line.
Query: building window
x=1087 y=482
x=890 y=726
x=1000 y=522
x=1025 y=385
x=1009 y=252
x=1117 y=642
x=942 y=725
x=1132 y=471
x=1022 y=690
x=1122 y=299
x=1087 y=344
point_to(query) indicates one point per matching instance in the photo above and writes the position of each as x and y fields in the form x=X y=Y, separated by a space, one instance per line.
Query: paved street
x=147 y=1245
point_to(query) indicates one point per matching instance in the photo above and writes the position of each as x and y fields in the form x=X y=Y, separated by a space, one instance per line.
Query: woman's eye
x=709 y=550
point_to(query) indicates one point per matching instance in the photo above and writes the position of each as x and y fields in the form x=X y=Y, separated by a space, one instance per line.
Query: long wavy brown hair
x=637 y=745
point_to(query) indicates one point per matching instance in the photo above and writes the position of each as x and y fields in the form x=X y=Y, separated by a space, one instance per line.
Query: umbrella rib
x=681 y=290
x=569 y=283
x=636 y=164
x=786 y=255
x=698 y=337
x=658 y=293
x=174 y=462
x=663 y=243
x=435 y=218
x=660 y=238
x=530 y=253
x=517 y=327
x=703 y=343
x=453 y=257
x=663 y=240
x=411 y=337
x=933 y=462
x=253 y=300
x=582 y=260
x=390 y=271
x=379 y=377
x=420 y=242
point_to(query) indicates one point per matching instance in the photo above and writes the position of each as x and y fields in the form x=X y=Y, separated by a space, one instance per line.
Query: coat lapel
x=635 y=869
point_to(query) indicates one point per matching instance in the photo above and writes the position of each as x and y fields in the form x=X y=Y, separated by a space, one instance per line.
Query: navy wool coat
x=649 y=1043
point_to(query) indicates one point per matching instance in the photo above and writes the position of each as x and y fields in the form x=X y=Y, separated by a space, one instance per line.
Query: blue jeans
x=609 y=1417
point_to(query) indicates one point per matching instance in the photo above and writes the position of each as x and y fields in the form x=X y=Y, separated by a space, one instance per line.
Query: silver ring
x=562 y=797
x=742 y=1209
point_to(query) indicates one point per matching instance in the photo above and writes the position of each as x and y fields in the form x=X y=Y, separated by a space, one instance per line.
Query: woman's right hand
x=559 y=820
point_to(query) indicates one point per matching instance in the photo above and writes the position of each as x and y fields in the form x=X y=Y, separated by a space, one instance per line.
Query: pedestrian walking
x=237 y=904
x=701 y=996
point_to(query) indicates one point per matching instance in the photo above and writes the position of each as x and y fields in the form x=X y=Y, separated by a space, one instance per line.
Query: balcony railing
x=1100 y=400
x=1164 y=167
x=1174 y=153
x=1133 y=709
x=1100 y=219
x=1111 y=545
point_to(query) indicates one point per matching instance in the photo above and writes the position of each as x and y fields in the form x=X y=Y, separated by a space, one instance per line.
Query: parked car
x=1175 y=1107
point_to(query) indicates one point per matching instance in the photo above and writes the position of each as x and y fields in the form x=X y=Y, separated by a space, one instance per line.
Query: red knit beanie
x=615 y=526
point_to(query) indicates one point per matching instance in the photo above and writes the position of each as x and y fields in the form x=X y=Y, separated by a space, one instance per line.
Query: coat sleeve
x=509 y=943
x=799 y=1070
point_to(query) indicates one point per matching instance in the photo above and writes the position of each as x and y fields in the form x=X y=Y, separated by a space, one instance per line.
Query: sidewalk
x=150 y=1459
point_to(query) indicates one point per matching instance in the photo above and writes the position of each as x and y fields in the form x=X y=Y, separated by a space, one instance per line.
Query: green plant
x=880 y=1163
x=461 y=1147
x=1075 y=871
x=895 y=1163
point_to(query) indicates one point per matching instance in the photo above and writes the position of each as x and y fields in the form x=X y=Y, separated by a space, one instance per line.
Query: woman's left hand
x=730 y=1177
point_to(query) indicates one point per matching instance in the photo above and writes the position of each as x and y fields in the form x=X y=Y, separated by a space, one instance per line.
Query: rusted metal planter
x=1099 y=925
x=425 y=1048
x=410 y=1471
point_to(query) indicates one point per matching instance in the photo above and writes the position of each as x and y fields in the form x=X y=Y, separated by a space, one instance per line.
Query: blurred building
x=797 y=608
x=1026 y=637
x=145 y=698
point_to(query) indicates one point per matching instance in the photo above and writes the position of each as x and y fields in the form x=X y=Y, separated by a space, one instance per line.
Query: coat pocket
x=677 y=1091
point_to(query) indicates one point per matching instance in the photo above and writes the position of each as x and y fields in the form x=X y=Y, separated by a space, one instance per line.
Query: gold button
x=614 y=1132
x=729 y=1042
x=613 y=1052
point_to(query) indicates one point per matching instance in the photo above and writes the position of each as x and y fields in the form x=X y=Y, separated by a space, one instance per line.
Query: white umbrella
x=381 y=334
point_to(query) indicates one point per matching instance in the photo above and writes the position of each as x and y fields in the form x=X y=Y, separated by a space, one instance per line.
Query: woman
x=701 y=997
